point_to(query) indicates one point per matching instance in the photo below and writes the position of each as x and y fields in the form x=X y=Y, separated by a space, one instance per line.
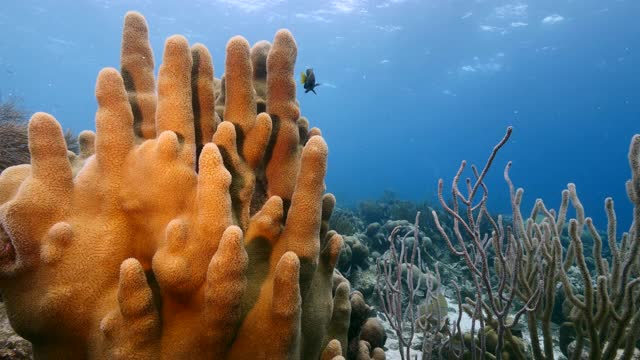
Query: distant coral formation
x=189 y=226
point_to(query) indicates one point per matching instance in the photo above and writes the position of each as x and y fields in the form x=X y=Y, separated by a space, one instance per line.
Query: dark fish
x=308 y=79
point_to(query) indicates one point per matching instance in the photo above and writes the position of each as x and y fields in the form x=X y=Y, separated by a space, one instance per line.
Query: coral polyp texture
x=189 y=226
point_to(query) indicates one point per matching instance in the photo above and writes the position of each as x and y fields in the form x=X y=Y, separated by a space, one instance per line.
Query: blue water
x=411 y=87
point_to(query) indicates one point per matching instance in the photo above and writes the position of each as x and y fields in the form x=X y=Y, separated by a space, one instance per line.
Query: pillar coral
x=174 y=234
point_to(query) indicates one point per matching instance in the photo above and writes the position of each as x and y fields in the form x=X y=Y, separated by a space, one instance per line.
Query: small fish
x=308 y=79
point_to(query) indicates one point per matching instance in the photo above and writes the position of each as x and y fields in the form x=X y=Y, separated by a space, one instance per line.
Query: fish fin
x=314 y=92
x=303 y=78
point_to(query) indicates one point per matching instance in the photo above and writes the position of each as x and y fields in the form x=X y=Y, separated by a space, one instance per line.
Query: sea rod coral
x=174 y=234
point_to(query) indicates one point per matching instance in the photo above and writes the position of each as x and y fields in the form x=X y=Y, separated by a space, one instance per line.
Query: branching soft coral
x=174 y=234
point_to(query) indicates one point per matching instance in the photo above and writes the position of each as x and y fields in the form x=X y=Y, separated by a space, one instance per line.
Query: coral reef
x=536 y=268
x=364 y=328
x=345 y=222
x=519 y=267
x=194 y=223
x=188 y=226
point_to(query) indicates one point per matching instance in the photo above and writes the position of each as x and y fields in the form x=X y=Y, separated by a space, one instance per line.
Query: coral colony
x=194 y=224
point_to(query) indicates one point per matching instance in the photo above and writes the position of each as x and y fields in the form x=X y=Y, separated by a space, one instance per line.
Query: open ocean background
x=410 y=87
